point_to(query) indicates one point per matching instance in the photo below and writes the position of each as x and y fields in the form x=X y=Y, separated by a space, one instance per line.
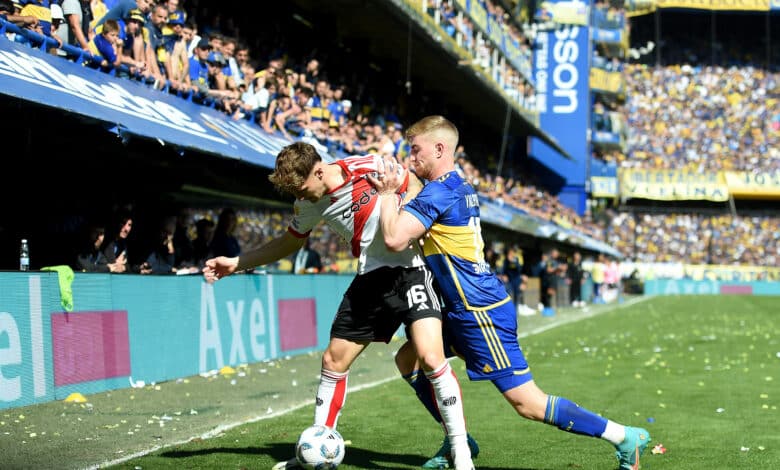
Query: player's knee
x=431 y=360
x=333 y=363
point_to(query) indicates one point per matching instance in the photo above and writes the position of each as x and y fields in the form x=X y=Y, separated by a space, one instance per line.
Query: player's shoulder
x=357 y=166
x=450 y=183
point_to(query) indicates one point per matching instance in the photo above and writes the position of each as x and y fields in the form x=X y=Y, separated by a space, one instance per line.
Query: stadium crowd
x=288 y=97
x=207 y=60
x=696 y=238
x=703 y=118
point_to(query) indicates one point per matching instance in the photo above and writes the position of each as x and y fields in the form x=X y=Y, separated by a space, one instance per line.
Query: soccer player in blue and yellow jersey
x=481 y=322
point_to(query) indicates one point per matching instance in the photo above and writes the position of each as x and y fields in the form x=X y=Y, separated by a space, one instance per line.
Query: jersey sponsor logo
x=365 y=198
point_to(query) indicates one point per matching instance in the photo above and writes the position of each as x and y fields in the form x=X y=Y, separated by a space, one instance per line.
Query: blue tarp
x=130 y=107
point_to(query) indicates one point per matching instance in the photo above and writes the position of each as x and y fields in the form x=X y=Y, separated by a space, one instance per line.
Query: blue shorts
x=487 y=341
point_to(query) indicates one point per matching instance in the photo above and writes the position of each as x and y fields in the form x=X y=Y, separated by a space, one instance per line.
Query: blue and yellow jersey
x=199 y=72
x=319 y=111
x=449 y=208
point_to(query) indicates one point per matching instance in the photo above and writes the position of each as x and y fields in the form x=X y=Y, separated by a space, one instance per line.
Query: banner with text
x=180 y=326
x=564 y=12
x=714 y=272
x=603 y=186
x=609 y=82
x=700 y=272
x=719 y=5
x=671 y=185
x=710 y=287
x=759 y=185
x=561 y=70
x=639 y=8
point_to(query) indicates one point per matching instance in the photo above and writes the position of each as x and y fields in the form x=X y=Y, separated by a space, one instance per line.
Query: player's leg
x=353 y=329
x=526 y=397
x=409 y=368
x=416 y=302
x=412 y=372
x=332 y=391
x=531 y=402
x=427 y=339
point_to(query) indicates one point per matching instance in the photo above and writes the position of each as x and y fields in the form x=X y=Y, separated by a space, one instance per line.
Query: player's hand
x=219 y=267
x=389 y=177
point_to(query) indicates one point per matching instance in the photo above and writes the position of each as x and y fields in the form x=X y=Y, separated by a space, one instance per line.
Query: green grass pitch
x=702 y=374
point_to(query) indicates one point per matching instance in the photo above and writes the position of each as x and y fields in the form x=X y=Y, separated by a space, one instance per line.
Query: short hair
x=431 y=124
x=307 y=91
x=293 y=165
x=110 y=26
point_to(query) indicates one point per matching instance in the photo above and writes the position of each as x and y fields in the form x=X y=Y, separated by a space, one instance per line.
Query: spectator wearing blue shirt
x=199 y=71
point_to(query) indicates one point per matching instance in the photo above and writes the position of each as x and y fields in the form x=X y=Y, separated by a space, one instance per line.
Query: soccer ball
x=319 y=448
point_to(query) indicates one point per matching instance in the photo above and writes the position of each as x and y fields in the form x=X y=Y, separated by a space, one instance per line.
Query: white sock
x=331 y=395
x=450 y=403
x=614 y=433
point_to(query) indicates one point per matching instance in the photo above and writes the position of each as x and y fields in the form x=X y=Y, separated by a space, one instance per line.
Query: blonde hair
x=293 y=165
x=431 y=124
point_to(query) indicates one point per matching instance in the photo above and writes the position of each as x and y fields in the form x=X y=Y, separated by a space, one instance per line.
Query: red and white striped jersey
x=351 y=210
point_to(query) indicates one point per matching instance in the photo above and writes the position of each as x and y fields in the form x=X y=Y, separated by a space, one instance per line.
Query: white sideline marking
x=582 y=316
x=226 y=427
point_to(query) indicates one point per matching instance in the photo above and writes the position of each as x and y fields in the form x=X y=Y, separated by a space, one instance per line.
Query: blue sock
x=422 y=387
x=569 y=417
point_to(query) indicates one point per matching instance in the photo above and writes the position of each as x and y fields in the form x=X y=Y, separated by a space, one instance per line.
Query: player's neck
x=334 y=177
x=441 y=171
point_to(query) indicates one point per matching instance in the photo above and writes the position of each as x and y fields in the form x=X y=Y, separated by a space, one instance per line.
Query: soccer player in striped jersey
x=391 y=287
x=480 y=320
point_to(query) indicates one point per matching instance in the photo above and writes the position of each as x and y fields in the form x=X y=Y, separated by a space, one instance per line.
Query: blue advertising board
x=561 y=72
x=180 y=326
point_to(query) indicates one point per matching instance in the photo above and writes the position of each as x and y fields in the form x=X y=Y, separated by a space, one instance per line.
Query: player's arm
x=413 y=187
x=400 y=229
x=274 y=250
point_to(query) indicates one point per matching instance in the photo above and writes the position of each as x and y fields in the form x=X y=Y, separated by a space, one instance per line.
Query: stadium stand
x=369 y=125
x=277 y=82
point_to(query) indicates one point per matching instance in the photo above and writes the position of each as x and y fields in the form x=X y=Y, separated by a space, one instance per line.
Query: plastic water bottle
x=24 y=256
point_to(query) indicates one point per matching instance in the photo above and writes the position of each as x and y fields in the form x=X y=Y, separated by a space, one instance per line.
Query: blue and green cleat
x=629 y=451
x=442 y=458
